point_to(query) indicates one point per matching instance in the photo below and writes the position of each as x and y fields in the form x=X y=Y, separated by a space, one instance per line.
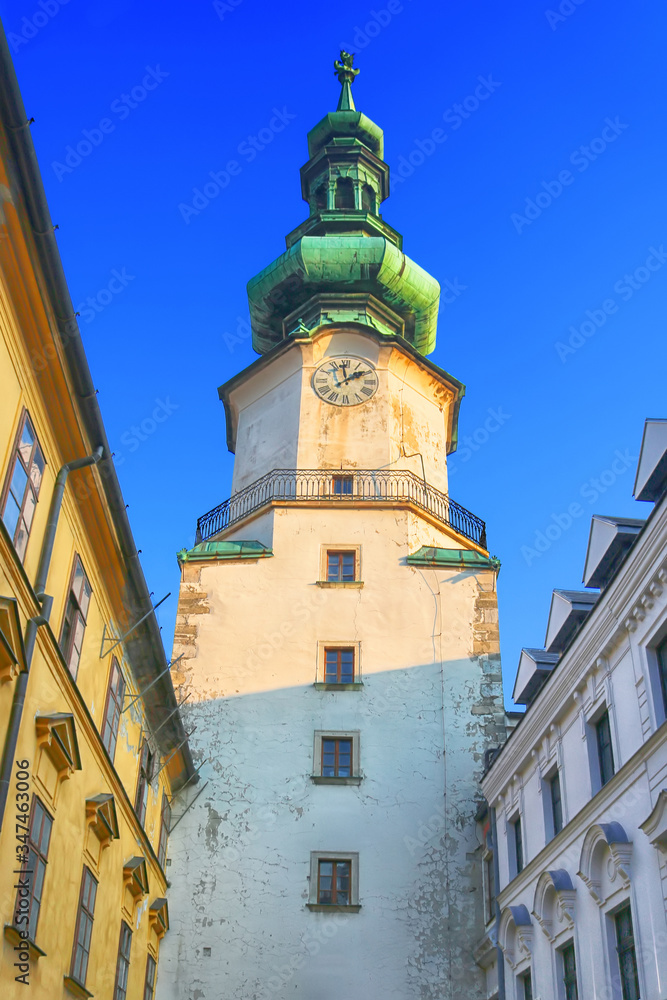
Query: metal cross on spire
x=346 y=73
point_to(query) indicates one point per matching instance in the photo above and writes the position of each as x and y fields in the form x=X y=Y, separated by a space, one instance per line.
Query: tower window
x=368 y=199
x=336 y=758
x=341 y=567
x=321 y=198
x=342 y=486
x=333 y=883
x=345 y=193
x=339 y=666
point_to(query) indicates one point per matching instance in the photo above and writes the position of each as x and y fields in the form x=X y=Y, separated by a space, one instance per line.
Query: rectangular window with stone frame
x=569 y=969
x=626 y=952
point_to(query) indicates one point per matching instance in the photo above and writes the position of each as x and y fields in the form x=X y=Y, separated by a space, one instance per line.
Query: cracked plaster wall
x=431 y=703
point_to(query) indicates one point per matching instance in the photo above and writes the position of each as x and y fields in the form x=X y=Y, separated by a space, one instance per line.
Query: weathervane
x=346 y=73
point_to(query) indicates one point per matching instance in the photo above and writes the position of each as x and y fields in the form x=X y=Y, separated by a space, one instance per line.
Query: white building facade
x=338 y=631
x=578 y=794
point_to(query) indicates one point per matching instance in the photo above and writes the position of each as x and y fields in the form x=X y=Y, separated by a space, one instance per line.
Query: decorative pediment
x=12 y=653
x=606 y=856
x=515 y=934
x=56 y=736
x=158 y=917
x=135 y=877
x=655 y=826
x=101 y=818
x=553 y=907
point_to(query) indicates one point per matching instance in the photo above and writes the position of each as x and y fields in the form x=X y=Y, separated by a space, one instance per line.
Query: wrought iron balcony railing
x=346 y=486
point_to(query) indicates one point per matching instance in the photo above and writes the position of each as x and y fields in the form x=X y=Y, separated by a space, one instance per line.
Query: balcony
x=354 y=487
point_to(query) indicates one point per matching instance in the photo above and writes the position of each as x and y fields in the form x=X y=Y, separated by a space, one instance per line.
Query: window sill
x=15 y=937
x=320 y=779
x=321 y=686
x=330 y=908
x=76 y=988
x=345 y=585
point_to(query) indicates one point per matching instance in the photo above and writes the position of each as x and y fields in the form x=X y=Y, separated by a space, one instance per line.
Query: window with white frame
x=336 y=757
x=334 y=881
x=600 y=748
x=626 y=953
x=552 y=799
x=568 y=970
x=515 y=845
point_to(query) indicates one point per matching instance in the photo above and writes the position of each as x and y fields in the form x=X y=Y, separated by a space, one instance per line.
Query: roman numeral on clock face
x=366 y=391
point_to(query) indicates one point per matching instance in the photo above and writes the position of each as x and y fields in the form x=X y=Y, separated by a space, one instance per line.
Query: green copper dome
x=344 y=263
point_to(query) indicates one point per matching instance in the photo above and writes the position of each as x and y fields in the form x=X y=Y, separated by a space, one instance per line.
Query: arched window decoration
x=321 y=198
x=515 y=934
x=344 y=193
x=368 y=199
x=553 y=907
x=604 y=865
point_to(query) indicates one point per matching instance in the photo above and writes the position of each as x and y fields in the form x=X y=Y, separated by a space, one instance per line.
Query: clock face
x=345 y=381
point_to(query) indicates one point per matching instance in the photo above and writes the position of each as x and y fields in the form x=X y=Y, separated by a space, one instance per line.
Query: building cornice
x=631 y=594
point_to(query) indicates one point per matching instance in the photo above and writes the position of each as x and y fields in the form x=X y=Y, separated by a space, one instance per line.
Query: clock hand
x=354 y=375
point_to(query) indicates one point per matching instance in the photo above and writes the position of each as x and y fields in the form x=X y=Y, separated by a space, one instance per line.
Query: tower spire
x=346 y=74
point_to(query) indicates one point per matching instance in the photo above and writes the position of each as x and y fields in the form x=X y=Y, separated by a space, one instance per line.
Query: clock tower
x=337 y=625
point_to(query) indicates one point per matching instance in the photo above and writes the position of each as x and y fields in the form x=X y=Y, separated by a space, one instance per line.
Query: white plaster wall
x=240 y=857
x=282 y=423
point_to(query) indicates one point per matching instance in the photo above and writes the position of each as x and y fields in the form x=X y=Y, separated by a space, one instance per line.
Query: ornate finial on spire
x=346 y=74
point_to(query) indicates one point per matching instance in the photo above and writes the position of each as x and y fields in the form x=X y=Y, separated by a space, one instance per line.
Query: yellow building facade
x=94 y=753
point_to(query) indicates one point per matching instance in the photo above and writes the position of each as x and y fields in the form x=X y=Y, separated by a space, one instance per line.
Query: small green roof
x=464 y=559
x=224 y=550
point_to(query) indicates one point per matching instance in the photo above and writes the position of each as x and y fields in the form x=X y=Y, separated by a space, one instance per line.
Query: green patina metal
x=224 y=550
x=344 y=248
x=454 y=558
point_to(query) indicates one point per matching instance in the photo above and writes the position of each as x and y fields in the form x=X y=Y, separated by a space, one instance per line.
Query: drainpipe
x=34 y=623
x=500 y=957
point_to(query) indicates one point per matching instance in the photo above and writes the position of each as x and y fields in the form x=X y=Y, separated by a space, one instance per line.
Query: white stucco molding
x=554 y=901
x=515 y=934
x=608 y=844
x=655 y=825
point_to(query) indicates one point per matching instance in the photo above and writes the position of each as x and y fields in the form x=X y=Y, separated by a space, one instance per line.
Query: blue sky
x=540 y=198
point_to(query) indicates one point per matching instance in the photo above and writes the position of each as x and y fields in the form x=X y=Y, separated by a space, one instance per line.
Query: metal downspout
x=500 y=957
x=34 y=623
